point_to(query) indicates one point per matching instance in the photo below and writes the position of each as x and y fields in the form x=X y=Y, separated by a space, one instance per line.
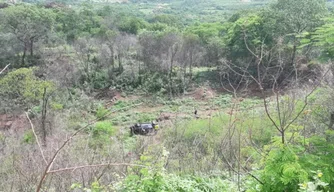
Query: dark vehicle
x=146 y=129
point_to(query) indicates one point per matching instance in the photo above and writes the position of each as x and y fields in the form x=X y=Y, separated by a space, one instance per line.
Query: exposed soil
x=13 y=122
x=202 y=93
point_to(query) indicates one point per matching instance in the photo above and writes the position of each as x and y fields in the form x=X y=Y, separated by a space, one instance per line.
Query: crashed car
x=146 y=129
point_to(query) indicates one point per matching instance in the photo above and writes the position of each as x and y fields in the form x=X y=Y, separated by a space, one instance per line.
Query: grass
x=182 y=107
x=249 y=119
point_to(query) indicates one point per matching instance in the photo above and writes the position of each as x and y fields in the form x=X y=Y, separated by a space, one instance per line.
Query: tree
x=22 y=88
x=68 y=24
x=323 y=39
x=206 y=31
x=192 y=54
x=247 y=33
x=292 y=18
x=131 y=25
x=172 y=42
x=29 y=24
x=169 y=20
x=282 y=23
x=89 y=22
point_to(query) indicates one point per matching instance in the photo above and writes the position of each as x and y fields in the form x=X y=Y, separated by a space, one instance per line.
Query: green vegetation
x=242 y=92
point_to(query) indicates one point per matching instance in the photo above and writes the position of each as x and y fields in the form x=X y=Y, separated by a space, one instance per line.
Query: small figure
x=196 y=116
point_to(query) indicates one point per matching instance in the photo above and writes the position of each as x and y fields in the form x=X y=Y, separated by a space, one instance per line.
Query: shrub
x=101 y=133
x=28 y=89
x=29 y=137
x=282 y=171
x=101 y=112
x=103 y=128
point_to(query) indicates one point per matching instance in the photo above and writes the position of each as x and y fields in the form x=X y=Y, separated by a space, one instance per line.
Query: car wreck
x=146 y=129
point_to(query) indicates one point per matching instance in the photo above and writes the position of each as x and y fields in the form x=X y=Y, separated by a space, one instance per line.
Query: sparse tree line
x=106 y=48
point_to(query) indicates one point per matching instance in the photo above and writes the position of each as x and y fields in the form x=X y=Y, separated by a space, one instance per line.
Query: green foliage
x=320 y=156
x=56 y=106
x=153 y=178
x=120 y=104
x=282 y=171
x=29 y=24
x=211 y=128
x=94 y=187
x=250 y=30
x=316 y=185
x=67 y=25
x=205 y=31
x=132 y=25
x=161 y=182
x=299 y=15
x=29 y=137
x=101 y=132
x=156 y=83
x=102 y=129
x=28 y=21
x=92 y=42
x=23 y=87
x=323 y=38
x=100 y=79
x=72 y=24
x=169 y=20
x=146 y=117
x=101 y=112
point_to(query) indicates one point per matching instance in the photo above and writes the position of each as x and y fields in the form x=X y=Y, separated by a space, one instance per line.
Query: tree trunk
x=139 y=67
x=31 y=48
x=112 y=61
x=24 y=54
x=44 y=111
x=190 y=65
x=120 y=66
x=293 y=60
x=331 y=121
x=283 y=136
x=170 y=74
x=174 y=50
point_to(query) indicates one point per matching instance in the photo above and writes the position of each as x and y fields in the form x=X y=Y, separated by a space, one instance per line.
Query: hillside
x=174 y=95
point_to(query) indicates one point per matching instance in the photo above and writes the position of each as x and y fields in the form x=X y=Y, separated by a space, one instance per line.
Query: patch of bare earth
x=202 y=93
x=15 y=123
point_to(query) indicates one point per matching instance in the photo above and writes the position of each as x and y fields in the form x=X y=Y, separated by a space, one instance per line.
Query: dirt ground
x=13 y=122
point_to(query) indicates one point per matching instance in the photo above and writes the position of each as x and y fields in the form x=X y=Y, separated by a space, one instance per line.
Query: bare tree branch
x=95 y=165
x=305 y=102
x=49 y=165
x=247 y=172
x=4 y=69
x=38 y=143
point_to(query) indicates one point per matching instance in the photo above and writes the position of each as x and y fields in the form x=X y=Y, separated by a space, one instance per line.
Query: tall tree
x=29 y=24
x=295 y=17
